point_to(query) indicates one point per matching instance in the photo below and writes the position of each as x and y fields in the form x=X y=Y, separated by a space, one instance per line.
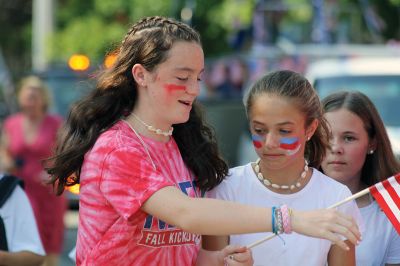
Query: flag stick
x=261 y=241
x=352 y=197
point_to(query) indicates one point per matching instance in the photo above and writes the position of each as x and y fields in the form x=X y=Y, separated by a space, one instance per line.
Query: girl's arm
x=340 y=257
x=214 y=242
x=7 y=162
x=241 y=256
x=215 y=217
x=22 y=258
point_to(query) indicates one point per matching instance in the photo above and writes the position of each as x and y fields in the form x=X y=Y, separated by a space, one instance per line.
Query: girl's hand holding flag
x=386 y=194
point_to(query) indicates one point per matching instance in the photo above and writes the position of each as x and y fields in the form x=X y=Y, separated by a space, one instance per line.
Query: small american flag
x=387 y=195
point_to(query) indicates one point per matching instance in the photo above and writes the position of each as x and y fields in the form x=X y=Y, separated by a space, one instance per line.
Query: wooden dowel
x=352 y=197
x=261 y=241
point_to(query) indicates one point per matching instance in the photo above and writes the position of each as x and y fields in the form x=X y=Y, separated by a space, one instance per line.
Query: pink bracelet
x=287 y=226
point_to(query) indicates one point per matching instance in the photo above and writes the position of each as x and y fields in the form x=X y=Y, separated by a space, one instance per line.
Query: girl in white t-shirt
x=290 y=137
x=360 y=155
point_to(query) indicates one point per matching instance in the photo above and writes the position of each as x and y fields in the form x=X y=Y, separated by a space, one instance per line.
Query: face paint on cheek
x=173 y=87
x=291 y=145
x=257 y=141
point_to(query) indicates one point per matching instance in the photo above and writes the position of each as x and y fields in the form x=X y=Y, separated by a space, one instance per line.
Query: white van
x=377 y=77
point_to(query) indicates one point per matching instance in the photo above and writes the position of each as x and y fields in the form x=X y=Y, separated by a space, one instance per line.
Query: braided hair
x=147 y=43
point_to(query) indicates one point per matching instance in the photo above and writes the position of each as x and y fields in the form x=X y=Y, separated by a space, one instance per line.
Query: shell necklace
x=268 y=183
x=153 y=129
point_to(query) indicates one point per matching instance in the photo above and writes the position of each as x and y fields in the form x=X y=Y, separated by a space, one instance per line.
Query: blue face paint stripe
x=288 y=140
x=256 y=138
x=257 y=141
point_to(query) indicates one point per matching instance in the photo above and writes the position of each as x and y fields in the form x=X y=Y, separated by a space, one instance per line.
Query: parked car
x=377 y=77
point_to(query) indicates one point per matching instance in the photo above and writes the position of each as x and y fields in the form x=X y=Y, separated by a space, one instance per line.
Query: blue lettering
x=184 y=186
x=148 y=222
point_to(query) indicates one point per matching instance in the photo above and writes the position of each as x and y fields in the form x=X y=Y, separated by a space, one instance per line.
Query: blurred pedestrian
x=20 y=243
x=359 y=156
x=143 y=156
x=28 y=137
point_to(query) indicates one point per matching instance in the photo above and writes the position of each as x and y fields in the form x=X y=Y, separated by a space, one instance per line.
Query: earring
x=308 y=138
x=371 y=151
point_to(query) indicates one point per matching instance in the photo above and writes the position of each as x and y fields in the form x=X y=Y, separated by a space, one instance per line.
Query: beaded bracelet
x=273 y=219
x=279 y=221
x=286 y=218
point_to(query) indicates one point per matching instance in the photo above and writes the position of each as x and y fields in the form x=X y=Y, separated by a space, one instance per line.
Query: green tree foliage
x=95 y=27
x=389 y=11
x=92 y=26
x=15 y=34
x=218 y=21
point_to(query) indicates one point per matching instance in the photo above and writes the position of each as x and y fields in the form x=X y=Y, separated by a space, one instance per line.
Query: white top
x=20 y=224
x=72 y=254
x=243 y=186
x=381 y=243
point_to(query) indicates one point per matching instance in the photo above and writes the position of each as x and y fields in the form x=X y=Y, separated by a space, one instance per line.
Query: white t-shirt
x=72 y=254
x=20 y=224
x=321 y=192
x=381 y=243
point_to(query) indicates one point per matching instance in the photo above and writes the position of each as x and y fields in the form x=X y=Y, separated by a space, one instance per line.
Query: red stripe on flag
x=397 y=177
x=385 y=207
x=386 y=184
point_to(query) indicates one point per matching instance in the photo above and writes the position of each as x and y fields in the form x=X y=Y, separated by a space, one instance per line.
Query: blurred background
x=337 y=44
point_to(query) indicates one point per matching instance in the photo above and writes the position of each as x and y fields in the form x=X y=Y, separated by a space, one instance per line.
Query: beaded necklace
x=153 y=129
x=268 y=183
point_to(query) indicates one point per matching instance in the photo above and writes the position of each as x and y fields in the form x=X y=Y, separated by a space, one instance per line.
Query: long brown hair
x=296 y=88
x=147 y=43
x=382 y=163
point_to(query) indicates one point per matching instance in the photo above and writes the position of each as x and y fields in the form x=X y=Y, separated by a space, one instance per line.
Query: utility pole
x=42 y=29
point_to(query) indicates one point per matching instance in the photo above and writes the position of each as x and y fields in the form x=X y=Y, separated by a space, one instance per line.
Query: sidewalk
x=71 y=224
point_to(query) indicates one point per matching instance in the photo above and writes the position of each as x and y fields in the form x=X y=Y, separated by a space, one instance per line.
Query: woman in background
x=28 y=137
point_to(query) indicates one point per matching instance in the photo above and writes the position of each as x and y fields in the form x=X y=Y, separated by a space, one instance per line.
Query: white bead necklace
x=153 y=129
x=268 y=183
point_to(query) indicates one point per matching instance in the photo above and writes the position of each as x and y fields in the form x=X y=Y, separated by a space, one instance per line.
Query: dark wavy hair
x=295 y=87
x=147 y=43
x=382 y=163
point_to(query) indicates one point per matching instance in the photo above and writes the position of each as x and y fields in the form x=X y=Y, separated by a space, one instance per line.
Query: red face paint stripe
x=257 y=144
x=257 y=141
x=174 y=87
x=289 y=146
x=289 y=143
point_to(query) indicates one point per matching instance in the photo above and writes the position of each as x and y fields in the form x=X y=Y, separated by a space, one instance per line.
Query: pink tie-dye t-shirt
x=117 y=177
